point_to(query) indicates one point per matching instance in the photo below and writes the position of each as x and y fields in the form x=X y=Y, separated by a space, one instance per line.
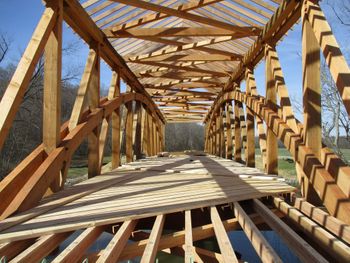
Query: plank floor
x=149 y=187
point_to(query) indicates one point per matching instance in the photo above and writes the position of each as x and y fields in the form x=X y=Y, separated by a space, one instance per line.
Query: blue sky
x=20 y=27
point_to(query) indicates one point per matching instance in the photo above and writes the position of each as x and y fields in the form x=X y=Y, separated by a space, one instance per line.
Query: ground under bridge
x=182 y=61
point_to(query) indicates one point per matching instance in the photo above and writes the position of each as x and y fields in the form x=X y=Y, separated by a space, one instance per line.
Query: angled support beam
x=301 y=248
x=226 y=249
x=75 y=251
x=116 y=245
x=260 y=244
x=42 y=248
x=151 y=249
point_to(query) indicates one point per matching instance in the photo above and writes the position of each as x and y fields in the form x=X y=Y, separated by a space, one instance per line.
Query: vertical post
x=250 y=124
x=151 y=129
x=214 y=135
x=271 y=100
x=146 y=136
x=229 y=121
x=163 y=137
x=137 y=139
x=52 y=91
x=238 y=143
x=129 y=132
x=218 y=134
x=116 y=124
x=311 y=98
x=94 y=100
x=221 y=133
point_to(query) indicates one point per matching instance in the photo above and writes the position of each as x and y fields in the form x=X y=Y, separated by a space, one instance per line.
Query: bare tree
x=4 y=46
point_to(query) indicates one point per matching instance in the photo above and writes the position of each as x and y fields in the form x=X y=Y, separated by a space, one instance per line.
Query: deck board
x=145 y=188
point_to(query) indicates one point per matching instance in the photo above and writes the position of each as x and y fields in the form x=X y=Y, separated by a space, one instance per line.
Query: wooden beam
x=52 y=92
x=335 y=60
x=336 y=248
x=82 y=94
x=75 y=251
x=93 y=102
x=260 y=244
x=159 y=15
x=42 y=248
x=115 y=121
x=311 y=101
x=179 y=12
x=271 y=100
x=158 y=32
x=128 y=133
x=151 y=249
x=115 y=247
x=250 y=126
x=185 y=66
x=300 y=247
x=237 y=132
x=84 y=26
x=226 y=249
x=192 y=58
x=189 y=46
x=332 y=224
x=18 y=85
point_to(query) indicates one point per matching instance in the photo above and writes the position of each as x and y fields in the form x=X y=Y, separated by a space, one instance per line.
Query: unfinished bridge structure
x=182 y=61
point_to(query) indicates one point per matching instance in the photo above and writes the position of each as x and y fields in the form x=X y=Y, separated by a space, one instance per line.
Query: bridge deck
x=146 y=188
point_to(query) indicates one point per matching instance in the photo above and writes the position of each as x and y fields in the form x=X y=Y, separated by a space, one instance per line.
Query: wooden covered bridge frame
x=182 y=61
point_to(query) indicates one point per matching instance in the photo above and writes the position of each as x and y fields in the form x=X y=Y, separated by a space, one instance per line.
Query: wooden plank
x=301 y=248
x=42 y=248
x=339 y=250
x=271 y=100
x=324 y=219
x=226 y=249
x=115 y=247
x=189 y=249
x=222 y=133
x=77 y=248
x=151 y=249
x=18 y=85
x=260 y=244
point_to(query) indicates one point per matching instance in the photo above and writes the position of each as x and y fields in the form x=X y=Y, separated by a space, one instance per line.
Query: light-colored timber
x=181 y=62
